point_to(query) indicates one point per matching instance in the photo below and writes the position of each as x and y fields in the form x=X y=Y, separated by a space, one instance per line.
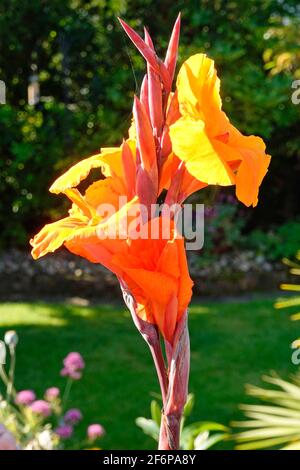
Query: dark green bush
x=277 y=243
x=88 y=71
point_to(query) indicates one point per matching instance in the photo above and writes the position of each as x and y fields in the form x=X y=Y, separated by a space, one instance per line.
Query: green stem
x=67 y=392
x=3 y=375
x=11 y=375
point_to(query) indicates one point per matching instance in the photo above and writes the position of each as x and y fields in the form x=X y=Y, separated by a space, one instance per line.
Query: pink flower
x=74 y=361
x=94 y=431
x=41 y=407
x=52 y=393
x=73 y=416
x=75 y=375
x=73 y=364
x=25 y=397
x=7 y=440
x=64 y=431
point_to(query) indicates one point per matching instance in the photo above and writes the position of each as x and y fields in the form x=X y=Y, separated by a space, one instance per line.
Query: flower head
x=25 y=397
x=94 y=431
x=52 y=393
x=73 y=365
x=146 y=265
x=41 y=408
x=73 y=416
x=64 y=431
x=11 y=338
x=79 y=231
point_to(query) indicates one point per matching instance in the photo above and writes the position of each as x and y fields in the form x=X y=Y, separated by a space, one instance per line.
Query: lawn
x=232 y=344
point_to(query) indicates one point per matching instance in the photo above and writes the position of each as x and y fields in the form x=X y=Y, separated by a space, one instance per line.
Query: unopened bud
x=11 y=338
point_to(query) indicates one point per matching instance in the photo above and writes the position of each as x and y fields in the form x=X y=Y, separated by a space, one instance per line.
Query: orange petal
x=249 y=176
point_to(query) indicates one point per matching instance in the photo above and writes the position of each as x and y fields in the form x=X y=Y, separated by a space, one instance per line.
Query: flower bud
x=11 y=338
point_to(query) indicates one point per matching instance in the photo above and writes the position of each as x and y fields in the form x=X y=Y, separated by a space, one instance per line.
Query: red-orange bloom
x=87 y=217
x=156 y=273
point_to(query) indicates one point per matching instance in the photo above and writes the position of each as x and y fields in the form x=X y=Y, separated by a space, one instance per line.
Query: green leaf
x=188 y=407
x=149 y=427
x=155 y=412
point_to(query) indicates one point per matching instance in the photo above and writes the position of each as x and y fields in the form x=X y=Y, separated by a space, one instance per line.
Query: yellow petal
x=192 y=145
x=111 y=158
x=76 y=197
x=75 y=174
x=198 y=86
x=54 y=235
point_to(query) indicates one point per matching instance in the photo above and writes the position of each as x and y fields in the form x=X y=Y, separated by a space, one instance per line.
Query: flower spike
x=149 y=55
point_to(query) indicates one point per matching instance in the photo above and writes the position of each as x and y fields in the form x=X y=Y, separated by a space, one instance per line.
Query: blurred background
x=70 y=74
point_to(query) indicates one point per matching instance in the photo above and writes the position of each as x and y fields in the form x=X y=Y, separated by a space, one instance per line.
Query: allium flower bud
x=73 y=365
x=41 y=407
x=94 y=431
x=73 y=416
x=64 y=431
x=52 y=393
x=25 y=397
x=11 y=338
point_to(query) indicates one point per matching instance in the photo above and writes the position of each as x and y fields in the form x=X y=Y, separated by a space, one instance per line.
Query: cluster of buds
x=153 y=112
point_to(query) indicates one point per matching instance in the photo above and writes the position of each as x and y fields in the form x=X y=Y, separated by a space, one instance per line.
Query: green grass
x=232 y=344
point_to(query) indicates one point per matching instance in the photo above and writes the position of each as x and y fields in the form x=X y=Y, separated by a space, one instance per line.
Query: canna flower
x=79 y=231
x=179 y=142
x=147 y=264
x=163 y=261
x=213 y=150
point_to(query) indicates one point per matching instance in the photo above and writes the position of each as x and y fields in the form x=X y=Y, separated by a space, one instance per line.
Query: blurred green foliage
x=276 y=243
x=225 y=231
x=88 y=72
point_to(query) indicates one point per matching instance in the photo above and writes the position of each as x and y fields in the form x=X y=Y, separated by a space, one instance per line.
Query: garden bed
x=63 y=275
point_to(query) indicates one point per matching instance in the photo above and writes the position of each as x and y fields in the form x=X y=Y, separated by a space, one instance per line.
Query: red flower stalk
x=152 y=119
